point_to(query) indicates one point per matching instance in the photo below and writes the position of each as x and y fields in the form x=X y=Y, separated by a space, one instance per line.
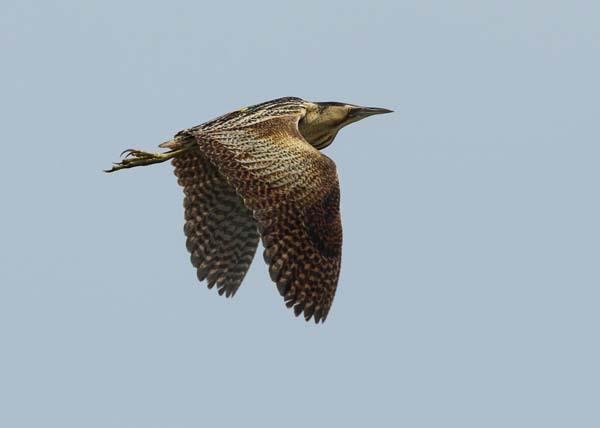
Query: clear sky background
x=469 y=291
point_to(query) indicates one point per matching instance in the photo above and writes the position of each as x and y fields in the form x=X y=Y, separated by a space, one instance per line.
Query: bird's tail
x=179 y=141
x=171 y=144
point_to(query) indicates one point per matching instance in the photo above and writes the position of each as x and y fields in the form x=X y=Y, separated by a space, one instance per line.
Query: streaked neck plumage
x=323 y=121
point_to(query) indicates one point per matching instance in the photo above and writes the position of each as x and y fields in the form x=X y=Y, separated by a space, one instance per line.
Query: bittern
x=257 y=173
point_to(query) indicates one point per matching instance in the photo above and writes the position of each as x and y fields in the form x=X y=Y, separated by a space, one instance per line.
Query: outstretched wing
x=293 y=192
x=222 y=235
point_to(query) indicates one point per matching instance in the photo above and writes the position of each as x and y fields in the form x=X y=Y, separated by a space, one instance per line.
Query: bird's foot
x=133 y=158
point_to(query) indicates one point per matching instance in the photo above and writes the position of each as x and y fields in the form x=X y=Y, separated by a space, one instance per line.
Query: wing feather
x=222 y=235
x=293 y=192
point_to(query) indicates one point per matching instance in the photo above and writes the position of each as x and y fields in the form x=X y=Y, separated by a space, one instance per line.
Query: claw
x=128 y=151
x=138 y=154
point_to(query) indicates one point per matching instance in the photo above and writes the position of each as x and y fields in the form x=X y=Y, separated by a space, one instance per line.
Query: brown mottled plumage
x=258 y=173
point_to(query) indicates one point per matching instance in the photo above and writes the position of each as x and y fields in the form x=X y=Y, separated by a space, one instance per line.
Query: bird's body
x=258 y=173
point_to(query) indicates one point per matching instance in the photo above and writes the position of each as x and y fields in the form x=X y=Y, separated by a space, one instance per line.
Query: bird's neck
x=317 y=135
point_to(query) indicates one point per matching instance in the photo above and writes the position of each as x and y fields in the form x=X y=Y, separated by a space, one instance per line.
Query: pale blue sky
x=469 y=291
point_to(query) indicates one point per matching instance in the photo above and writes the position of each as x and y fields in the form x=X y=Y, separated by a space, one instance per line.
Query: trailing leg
x=135 y=158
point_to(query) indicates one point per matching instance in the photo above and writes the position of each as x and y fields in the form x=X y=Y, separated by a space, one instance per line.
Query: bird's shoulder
x=286 y=107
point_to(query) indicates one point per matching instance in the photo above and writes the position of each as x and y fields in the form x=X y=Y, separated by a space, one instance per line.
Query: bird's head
x=323 y=120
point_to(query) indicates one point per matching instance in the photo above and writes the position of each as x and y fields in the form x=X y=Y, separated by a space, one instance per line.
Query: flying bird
x=258 y=173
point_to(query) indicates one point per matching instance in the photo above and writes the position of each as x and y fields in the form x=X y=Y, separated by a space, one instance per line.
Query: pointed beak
x=362 y=112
